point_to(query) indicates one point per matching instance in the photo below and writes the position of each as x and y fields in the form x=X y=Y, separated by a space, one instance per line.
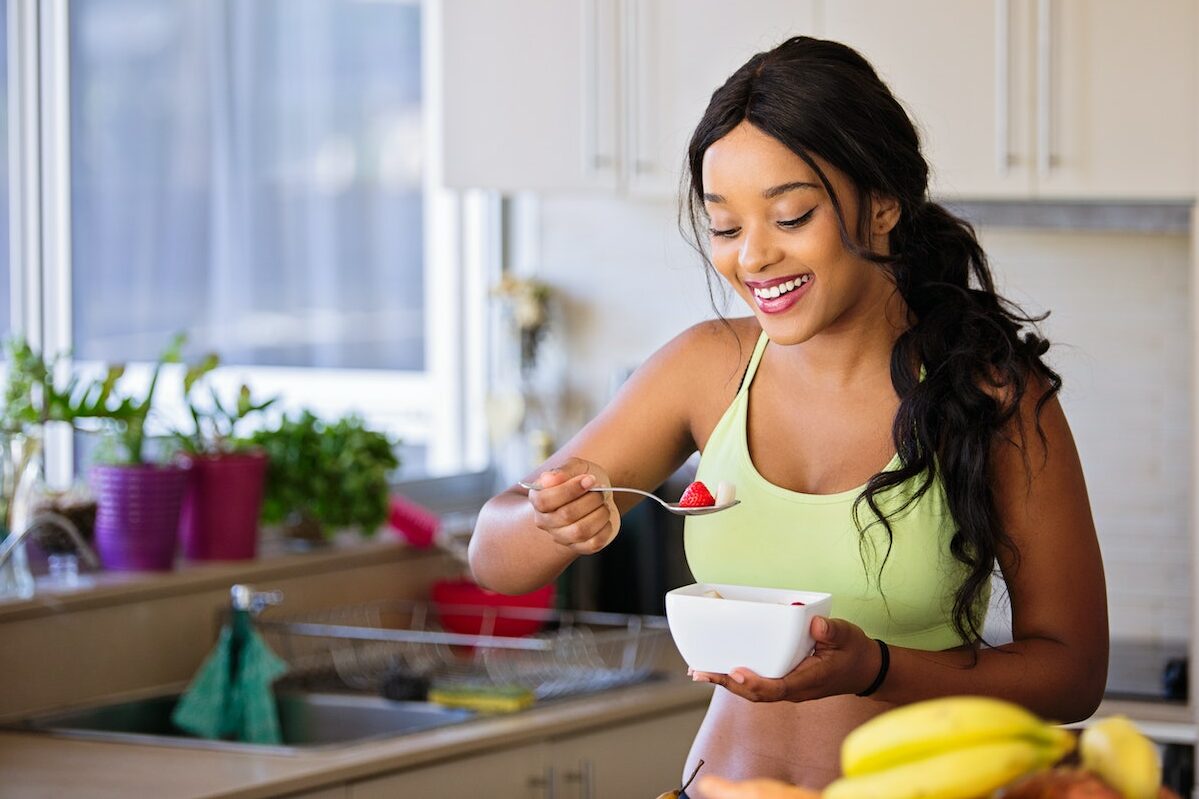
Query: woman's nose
x=758 y=251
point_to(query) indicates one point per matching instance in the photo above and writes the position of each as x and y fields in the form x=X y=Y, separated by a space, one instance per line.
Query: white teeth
x=782 y=288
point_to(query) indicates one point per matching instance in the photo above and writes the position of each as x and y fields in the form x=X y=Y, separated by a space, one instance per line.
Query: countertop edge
x=330 y=768
x=124 y=588
x=588 y=714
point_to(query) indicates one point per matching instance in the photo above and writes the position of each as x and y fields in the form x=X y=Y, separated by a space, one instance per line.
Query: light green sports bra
x=784 y=539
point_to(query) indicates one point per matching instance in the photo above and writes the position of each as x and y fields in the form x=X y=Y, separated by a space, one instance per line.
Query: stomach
x=796 y=742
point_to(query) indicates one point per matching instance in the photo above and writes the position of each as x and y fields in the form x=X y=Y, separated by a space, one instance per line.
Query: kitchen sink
x=308 y=721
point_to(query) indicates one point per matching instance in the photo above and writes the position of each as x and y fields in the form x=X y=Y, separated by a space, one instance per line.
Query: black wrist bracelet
x=882 y=669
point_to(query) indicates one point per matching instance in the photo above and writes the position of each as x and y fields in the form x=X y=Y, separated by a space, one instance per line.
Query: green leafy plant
x=128 y=443
x=38 y=391
x=215 y=422
x=333 y=474
x=34 y=394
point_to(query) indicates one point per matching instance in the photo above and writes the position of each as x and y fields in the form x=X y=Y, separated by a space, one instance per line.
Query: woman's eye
x=794 y=223
x=724 y=234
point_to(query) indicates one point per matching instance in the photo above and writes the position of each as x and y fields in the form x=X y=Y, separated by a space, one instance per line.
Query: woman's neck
x=856 y=349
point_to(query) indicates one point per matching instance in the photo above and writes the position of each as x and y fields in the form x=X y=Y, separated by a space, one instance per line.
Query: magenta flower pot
x=222 y=505
x=137 y=521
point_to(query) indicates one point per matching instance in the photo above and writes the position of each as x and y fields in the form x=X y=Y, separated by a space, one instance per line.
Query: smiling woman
x=887 y=418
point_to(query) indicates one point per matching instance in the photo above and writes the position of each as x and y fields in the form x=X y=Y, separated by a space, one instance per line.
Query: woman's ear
x=884 y=214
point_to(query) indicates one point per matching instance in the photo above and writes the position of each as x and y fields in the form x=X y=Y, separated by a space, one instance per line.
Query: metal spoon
x=673 y=507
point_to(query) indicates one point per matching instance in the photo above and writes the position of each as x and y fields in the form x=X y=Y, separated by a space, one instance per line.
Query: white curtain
x=248 y=170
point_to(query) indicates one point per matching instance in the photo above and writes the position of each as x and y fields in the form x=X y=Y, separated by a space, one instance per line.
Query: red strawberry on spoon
x=697 y=495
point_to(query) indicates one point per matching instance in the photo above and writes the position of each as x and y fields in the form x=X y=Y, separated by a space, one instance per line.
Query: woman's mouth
x=776 y=296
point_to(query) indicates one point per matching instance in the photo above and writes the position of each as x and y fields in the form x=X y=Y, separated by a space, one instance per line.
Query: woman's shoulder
x=703 y=365
x=716 y=350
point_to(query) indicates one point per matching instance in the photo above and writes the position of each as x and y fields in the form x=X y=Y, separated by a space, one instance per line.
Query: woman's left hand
x=845 y=661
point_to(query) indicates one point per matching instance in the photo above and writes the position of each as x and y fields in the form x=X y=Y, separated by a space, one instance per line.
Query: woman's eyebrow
x=769 y=194
x=775 y=191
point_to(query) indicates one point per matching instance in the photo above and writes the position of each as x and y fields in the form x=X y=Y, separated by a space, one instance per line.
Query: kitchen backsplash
x=1120 y=328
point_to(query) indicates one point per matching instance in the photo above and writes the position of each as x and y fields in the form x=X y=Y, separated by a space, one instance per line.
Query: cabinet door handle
x=1003 y=66
x=545 y=782
x=631 y=84
x=1045 y=159
x=593 y=160
x=584 y=777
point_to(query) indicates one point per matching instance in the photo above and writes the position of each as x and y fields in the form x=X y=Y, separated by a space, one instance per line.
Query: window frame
x=439 y=407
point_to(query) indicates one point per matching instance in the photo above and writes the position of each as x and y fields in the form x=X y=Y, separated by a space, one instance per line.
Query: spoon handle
x=536 y=487
x=628 y=491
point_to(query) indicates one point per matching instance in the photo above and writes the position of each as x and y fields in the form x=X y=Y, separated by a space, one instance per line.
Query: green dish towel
x=231 y=696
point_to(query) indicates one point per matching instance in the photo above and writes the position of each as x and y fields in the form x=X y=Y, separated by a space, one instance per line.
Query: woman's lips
x=783 y=302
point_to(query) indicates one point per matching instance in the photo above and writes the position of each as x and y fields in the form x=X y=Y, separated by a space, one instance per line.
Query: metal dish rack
x=362 y=646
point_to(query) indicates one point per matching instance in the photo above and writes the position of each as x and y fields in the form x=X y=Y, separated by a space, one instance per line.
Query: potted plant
x=224 y=495
x=137 y=523
x=322 y=477
x=39 y=392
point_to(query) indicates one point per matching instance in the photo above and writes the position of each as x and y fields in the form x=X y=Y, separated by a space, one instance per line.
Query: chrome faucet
x=243 y=597
x=10 y=544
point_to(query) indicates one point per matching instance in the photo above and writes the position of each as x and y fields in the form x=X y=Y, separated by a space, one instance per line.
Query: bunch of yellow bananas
x=1116 y=750
x=950 y=748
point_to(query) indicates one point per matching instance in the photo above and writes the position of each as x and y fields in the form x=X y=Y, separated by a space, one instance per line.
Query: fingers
x=572 y=467
x=575 y=517
x=745 y=684
x=564 y=503
x=796 y=686
x=828 y=631
x=582 y=520
x=588 y=535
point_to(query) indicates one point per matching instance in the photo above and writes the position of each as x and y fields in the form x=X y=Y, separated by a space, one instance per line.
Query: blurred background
x=331 y=194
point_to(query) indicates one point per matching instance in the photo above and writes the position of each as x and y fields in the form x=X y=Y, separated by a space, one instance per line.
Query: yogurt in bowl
x=719 y=627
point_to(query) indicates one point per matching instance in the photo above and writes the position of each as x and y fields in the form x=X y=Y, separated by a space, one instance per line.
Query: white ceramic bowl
x=755 y=628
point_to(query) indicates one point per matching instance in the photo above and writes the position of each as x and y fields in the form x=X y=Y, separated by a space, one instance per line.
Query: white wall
x=1120 y=325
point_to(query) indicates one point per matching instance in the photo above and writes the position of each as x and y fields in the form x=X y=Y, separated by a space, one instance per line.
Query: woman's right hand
x=581 y=520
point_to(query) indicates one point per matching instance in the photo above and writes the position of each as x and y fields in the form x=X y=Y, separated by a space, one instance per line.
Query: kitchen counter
x=37 y=765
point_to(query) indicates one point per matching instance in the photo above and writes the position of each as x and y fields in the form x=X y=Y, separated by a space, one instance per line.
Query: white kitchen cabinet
x=1015 y=99
x=1045 y=99
x=1118 y=102
x=641 y=758
x=517 y=773
x=677 y=53
x=644 y=759
x=579 y=94
x=529 y=95
x=956 y=70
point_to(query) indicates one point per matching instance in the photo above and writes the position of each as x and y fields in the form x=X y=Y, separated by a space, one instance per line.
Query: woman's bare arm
x=638 y=440
x=1057 y=662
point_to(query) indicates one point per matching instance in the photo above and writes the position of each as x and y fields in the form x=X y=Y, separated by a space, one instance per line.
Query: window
x=263 y=175
x=6 y=293
x=251 y=172
x=259 y=173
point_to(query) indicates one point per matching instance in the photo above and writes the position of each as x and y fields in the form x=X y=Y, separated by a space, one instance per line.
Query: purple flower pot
x=222 y=505
x=137 y=522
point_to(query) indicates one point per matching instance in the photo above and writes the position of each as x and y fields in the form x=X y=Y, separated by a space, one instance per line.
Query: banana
x=1116 y=750
x=958 y=773
x=916 y=731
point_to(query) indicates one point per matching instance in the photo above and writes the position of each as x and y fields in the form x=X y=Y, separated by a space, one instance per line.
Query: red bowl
x=466 y=608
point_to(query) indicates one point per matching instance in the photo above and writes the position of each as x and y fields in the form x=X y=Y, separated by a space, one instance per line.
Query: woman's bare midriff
x=796 y=742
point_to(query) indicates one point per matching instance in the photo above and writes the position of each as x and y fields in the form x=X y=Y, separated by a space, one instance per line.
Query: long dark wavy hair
x=980 y=352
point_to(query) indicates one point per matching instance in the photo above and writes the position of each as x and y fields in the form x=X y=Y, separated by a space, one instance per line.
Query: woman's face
x=774 y=237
